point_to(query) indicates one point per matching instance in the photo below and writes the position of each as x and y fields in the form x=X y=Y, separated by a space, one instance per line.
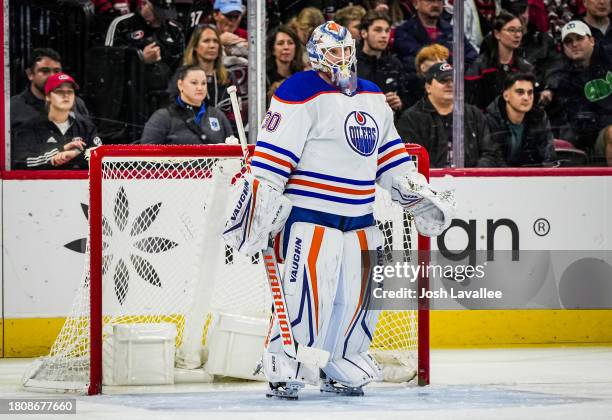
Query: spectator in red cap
x=58 y=139
x=42 y=63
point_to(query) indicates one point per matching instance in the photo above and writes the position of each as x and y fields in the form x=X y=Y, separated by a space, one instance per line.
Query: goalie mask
x=331 y=50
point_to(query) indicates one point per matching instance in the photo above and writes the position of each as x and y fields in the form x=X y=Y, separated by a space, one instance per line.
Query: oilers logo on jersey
x=361 y=131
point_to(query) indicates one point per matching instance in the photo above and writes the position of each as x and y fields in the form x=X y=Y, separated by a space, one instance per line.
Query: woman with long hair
x=56 y=140
x=283 y=58
x=284 y=55
x=485 y=78
x=188 y=120
x=204 y=50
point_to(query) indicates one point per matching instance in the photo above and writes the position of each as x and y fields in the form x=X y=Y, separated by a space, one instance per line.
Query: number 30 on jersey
x=271 y=121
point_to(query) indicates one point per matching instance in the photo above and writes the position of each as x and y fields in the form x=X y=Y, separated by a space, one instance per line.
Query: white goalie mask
x=331 y=49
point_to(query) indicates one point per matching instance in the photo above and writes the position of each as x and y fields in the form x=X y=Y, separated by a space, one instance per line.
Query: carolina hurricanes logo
x=361 y=132
x=137 y=34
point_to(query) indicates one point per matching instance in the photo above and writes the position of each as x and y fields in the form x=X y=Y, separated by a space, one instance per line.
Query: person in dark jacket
x=57 y=140
x=521 y=131
x=188 y=120
x=158 y=39
x=415 y=82
x=377 y=65
x=485 y=78
x=430 y=123
x=598 y=18
x=30 y=103
x=105 y=12
x=581 y=110
x=423 y=29
x=537 y=47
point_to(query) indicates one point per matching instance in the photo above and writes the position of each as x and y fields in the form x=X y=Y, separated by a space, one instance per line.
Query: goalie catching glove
x=432 y=211
x=260 y=212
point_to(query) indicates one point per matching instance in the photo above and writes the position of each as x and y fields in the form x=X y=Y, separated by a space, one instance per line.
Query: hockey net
x=155 y=256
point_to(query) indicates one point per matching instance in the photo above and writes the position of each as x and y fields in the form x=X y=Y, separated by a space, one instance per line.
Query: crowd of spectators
x=535 y=71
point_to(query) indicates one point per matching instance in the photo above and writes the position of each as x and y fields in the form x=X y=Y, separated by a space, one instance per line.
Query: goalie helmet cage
x=152 y=160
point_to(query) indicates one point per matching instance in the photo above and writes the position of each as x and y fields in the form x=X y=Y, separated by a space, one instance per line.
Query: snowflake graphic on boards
x=123 y=241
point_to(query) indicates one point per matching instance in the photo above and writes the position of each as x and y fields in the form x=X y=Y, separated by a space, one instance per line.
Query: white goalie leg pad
x=353 y=324
x=260 y=211
x=280 y=368
x=433 y=212
x=310 y=279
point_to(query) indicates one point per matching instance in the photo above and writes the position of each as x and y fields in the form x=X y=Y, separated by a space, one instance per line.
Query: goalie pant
x=327 y=295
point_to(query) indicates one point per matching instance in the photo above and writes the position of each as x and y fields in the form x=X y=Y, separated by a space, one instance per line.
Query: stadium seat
x=568 y=154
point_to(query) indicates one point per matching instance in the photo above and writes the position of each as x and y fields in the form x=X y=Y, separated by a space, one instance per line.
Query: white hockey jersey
x=326 y=149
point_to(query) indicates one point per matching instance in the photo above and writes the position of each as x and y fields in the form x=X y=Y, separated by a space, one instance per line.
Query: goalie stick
x=293 y=349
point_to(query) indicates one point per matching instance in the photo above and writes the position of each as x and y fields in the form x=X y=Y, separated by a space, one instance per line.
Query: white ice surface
x=547 y=383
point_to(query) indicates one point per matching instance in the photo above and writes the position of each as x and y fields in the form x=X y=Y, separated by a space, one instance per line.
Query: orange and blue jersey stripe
x=331 y=188
x=274 y=159
x=391 y=155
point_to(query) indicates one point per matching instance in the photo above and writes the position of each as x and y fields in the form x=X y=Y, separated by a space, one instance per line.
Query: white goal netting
x=163 y=261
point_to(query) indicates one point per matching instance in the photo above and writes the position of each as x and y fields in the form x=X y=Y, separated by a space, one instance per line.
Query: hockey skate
x=284 y=390
x=330 y=386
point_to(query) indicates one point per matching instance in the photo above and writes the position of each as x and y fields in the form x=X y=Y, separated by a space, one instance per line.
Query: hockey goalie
x=326 y=140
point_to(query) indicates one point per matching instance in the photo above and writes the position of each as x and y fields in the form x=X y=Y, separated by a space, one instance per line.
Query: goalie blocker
x=260 y=212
